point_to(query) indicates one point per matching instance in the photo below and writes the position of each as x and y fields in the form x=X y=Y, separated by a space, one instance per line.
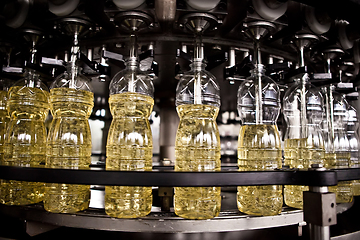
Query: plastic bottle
x=4 y=116
x=304 y=144
x=337 y=148
x=69 y=139
x=197 y=144
x=129 y=144
x=259 y=146
x=25 y=140
x=352 y=127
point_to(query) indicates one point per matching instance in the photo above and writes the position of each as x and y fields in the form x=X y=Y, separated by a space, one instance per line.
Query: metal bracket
x=239 y=71
x=320 y=208
x=166 y=194
x=13 y=70
x=52 y=61
x=112 y=55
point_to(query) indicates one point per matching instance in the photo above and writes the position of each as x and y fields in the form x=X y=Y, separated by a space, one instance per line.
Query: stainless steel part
x=322 y=210
x=165 y=10
x=168 y=129
x=199 y=23
x=165 y=42
x=349 y=236
x=133 y=21
x=166 y=197
x=73 y=26
x=159 y=222
x=302 y=41
x=319 y=223
x=232 y=57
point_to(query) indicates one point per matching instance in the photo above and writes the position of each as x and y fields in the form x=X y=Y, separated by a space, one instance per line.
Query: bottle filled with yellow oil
x=352 y=128
x=301 y=153
x=304 y=144
x=69 y=139
x=344 y=189
x=129 y=144
x=197 y=144
x=337 y=148
x=259 y=146
x=4 y=116
x=25 y=139
x=197 y=149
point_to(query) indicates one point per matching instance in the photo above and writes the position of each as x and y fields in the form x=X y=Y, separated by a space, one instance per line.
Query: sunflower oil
x=69 y=146
x=197 y=148
x=25 y=142
x=300 y=154
x=4 y=121
x=129 y=148
x=259 y=150
x=344 y=188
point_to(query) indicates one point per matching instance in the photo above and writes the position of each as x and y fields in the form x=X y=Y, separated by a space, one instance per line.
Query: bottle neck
x=132 y=63
x=32 y=78
x=303 y=79
x=258 y=70
x=73 y=70
x=198 y=65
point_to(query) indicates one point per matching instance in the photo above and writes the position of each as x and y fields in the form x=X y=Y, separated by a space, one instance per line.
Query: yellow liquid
x=129 y=148
x=299 y=153
x=356 y=188
x=4 y=121
x=197 y=148
x=344 y=189
x=25 y=143
x=258 y=150
x=355 y=162
x=69 y=146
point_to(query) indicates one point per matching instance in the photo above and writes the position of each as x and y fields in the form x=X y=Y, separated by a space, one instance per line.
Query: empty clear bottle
x=129 y=144
x=69 y=139
x=259 y=146
x=197 y=144
x=352 y=127
x=304 y=144
x=337 y=148
x=25 y=140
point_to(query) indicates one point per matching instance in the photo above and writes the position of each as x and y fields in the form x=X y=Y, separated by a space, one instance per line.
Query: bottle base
x=356 y=187
x=66 y=198
x=197 y=202
x=196 y=215
x=128 y=202
x=293 y=195
x=125 y=214
x=260 y=200
x=343 y=192
x=21 y=193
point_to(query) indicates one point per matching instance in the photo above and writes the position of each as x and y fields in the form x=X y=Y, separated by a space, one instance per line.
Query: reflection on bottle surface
x=25 y=142
x=197 y=149
x=258 y=150
x=129 y=148
x=69 y=146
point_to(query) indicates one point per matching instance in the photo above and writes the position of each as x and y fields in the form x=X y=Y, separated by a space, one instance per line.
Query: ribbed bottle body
x=300 y=154
x=69 y=146
x=129 y=148
x=259 y=149
x=197 y=148
x=25 y=142
x=4 y=121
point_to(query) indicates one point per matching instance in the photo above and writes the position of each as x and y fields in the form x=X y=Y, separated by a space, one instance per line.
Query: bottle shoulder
x=129 y=80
